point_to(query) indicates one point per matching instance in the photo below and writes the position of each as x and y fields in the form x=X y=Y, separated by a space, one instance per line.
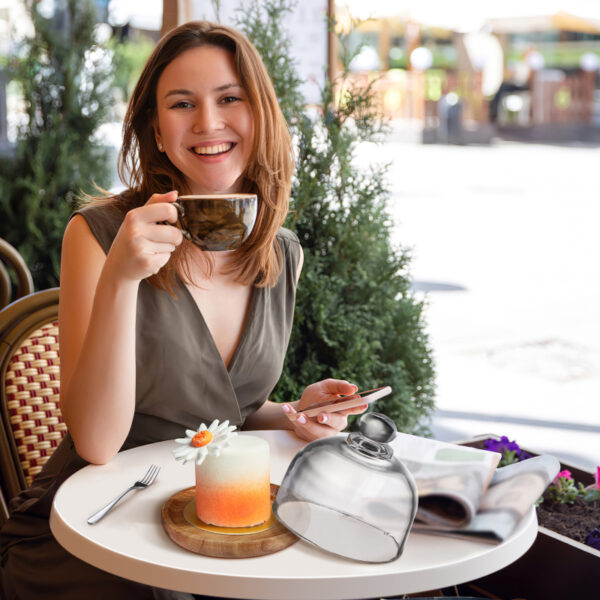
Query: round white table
x=132 y=543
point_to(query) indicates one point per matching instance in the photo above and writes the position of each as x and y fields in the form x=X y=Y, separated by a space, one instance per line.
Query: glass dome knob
x=377 y=427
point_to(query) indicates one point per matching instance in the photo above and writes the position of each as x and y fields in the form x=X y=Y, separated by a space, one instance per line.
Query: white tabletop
x=132 y=543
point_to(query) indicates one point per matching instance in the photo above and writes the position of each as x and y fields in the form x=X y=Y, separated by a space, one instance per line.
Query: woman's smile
x=213 y=152
x=213 y=149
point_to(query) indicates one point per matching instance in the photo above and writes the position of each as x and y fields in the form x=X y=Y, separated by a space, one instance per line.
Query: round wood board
x=220 y=545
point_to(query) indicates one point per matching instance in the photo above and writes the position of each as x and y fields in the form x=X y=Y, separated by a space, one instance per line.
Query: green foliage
x=65 y=78
x=563 y=490
x=262 y=24
x=129 y=58
x=509 y=457
x=591 y=495
x=356 y=317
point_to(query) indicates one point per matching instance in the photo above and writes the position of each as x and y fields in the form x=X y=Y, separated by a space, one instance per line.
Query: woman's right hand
x=143 y=244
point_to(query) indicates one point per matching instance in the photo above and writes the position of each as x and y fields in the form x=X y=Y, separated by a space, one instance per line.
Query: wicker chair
x=10 y=259
x=32 y=424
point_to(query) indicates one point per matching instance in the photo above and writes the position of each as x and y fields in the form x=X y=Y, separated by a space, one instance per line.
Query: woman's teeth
x=211 y=150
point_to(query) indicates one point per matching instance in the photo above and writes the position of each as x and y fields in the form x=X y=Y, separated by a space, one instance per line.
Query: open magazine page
x=451 y=479
x=514 y=489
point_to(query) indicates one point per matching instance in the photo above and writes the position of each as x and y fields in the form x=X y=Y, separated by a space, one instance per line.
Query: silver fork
x=143 y=483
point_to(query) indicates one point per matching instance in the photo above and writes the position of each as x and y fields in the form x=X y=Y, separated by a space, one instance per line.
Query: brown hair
x=269 y=171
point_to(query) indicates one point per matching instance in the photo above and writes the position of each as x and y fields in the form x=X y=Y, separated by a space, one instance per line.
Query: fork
x=147 y=480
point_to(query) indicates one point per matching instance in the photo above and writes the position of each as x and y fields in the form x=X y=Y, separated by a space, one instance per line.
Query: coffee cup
x=217 y=222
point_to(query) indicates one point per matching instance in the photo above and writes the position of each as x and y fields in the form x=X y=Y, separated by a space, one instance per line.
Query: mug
x=217 y=222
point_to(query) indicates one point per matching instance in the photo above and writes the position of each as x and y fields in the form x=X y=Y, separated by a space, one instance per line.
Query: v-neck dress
x=181 y=381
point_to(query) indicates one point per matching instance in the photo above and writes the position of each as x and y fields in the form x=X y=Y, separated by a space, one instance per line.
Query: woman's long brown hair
x=147 y=171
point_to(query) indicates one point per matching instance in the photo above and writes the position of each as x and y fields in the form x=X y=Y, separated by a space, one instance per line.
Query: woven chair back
x=11 y=260
x=32 y=425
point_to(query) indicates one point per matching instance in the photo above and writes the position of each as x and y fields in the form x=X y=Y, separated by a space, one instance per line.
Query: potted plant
x=568 y=541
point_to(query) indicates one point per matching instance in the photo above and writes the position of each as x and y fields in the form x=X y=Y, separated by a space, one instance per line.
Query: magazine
x=463 y=493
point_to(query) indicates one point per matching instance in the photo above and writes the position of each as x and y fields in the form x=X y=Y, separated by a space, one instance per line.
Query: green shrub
x=66 y=82
x=356 y=317
x=129 y=58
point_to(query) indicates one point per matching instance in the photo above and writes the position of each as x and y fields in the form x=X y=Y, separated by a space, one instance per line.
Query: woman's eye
x=182 y=104
x=229 y=99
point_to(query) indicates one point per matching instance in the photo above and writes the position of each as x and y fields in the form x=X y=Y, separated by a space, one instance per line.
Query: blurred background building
x=530 y=76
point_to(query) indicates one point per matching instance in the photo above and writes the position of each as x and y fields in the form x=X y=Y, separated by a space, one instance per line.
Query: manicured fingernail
x=323 y=418
x=286 y=409
x=364 y=406
x=302 y=419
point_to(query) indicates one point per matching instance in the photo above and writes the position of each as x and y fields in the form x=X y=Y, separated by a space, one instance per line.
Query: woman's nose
x=207 y=118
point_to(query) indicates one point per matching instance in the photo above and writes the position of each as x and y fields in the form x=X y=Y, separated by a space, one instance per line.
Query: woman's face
x=204 y=121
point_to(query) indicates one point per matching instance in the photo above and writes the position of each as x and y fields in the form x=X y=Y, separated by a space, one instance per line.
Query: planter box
x=554 y=568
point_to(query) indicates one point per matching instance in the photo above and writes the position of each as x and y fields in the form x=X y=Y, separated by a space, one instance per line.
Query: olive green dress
x=181 y=381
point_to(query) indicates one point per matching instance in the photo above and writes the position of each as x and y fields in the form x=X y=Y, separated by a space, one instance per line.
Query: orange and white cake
x=233 y=489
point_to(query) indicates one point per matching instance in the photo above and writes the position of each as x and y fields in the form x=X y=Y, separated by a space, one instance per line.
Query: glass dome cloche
x=350 y=495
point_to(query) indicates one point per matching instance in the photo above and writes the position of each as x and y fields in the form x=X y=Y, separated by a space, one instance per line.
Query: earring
x=160 y=147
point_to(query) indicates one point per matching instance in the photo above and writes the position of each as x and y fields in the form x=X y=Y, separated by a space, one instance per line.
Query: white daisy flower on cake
x=206 y=440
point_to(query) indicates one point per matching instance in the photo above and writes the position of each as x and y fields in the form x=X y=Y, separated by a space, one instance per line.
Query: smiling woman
x=157 y=334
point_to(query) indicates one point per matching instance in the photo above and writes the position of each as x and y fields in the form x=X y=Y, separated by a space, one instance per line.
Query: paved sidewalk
x=505 y=249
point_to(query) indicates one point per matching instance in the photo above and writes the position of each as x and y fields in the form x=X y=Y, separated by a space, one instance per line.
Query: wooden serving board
x=220 y=545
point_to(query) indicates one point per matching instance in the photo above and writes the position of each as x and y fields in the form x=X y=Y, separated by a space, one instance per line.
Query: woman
x=155 y=335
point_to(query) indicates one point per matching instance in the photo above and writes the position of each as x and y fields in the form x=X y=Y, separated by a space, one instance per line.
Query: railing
x=560 y=98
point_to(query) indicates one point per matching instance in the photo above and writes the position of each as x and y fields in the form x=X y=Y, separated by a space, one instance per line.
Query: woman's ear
x=158 y=138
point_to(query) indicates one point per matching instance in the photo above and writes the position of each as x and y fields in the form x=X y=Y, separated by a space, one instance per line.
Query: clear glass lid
x=350 y=495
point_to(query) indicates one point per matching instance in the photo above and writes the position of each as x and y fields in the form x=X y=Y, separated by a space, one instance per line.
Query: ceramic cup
x=217 y=222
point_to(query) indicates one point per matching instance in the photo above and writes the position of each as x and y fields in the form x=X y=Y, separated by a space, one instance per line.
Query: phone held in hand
x=345 y=402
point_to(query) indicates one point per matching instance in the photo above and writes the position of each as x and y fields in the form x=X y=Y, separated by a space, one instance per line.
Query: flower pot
x=556 y=567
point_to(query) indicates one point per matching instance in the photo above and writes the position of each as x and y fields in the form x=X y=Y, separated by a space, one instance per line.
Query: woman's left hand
x=325 y=424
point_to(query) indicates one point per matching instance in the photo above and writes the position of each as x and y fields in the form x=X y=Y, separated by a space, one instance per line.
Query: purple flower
x=505 y=447
x=593 y=539
x=501 y=445
x=496 y=445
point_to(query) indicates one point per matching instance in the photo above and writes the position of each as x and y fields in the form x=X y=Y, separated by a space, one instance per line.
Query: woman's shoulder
x=103 y=217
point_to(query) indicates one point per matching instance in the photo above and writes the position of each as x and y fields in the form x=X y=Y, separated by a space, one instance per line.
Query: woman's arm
x=97 y=322
x=269 y=416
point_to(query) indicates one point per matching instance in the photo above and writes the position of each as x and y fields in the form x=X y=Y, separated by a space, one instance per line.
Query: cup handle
x=180 y=214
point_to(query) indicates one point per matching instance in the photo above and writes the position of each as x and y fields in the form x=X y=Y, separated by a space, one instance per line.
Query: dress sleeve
x=292 y=251
x=104 y=222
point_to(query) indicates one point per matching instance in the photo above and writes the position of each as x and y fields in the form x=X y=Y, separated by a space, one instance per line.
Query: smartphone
x=344 y=402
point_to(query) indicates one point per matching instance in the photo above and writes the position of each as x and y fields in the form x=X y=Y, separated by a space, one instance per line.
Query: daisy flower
x=206 y=440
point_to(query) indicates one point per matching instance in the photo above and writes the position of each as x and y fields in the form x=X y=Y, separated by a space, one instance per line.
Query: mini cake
x=233 y=486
